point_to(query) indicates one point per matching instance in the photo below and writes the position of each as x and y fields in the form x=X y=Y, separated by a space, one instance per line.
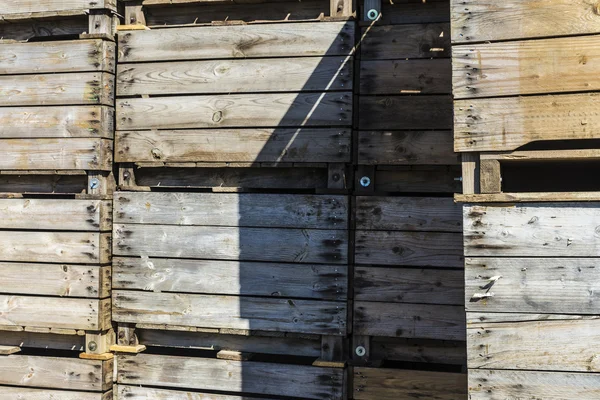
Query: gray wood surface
x=406 y=41
x=41 y=8
x=418 y=112
x=12 y=393
x=145 y=393
x=428 y=76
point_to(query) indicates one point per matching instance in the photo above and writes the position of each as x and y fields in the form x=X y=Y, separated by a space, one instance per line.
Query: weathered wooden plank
x=526 y=67
x=56 y=122
x=52 y=214
x=55 y=280
x=230 y=243
x=40 y=340
x=55 y=312
x=419 y=179
x=58 y=247
x=236 y=145
x=57 y=56
x=507 y=123
x=236 y=76
x=26 y=29
x=206 y=311
x=405 y=76
x=55 y=373
x=431 y=249
x=22 y=184
x=81 y=88
x=412 y=12
x=395 y=384
x=241 y=110
x=540 y=285
x=231 y=278
x=409 y=285
x=542 y=230
x=143 y=393
x=406 y=148
x=405 y=41
x=502 y=385
x=484 y=20
x=233 y=209
x=418 y=321
x=559 y=345
x=21 y=393
x=418 y=112
x=437 y=214
x=419 y=350
x=238 y=41
x=527 y=197
x=41 y=8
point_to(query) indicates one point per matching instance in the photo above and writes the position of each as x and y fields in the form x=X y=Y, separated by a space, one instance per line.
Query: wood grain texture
x=405 y=76
x=230 y=243
x=236 y=145
x=238 y=41
x=418 y=179
x=405 y=41
x=419 y=350
x=395 y=384
x=507 y=123
x=26 y=29
x=417 y=321
x=144 y=393
x=501 y=385
x=431 y=249
x=40 y=8
x=241 y=110
x=229 y=209
x=408 y=214
x=232 y=312
x=418 y=112
x=541 y=230
x=21 y=393
x=483 y=20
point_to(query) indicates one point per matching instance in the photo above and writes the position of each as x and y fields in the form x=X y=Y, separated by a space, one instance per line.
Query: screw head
x=94 y=183
x=92 y=346
x=372 y=14
x=360 y=351
x=365 y=181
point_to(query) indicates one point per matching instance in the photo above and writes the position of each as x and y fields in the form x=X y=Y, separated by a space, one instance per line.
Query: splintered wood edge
x=137 y=27
x=7 y=350
x=329 y=364
x=127 y=349
x=527 y=197
x=99 y=357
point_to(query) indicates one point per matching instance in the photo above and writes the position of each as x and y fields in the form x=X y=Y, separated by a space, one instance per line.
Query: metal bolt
x=365 y=181
x=92 y=346
x=372 y=14
x=126 y=175
x=360 y=351
x=94 y=183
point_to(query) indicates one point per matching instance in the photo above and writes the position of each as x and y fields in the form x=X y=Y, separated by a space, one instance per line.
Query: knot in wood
x=217 y=116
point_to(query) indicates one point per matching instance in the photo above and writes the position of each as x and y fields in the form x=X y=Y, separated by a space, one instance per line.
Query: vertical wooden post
x=126 y=335
x=340 y=8
x=102 y=22
x=134 y=13
x=97 y=345
x=490 y=180
x=100 y=182
x=336 y=176
x=470 y=173
x=332 y=348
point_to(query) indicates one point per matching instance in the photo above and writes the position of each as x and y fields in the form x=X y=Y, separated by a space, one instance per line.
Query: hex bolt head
x=365 y=181
x=92 y=346
x=360 y=351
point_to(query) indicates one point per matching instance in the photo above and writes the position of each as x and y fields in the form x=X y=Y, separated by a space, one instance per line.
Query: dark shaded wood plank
x=405 y=41
x=147 y=393
x=419 y=350
x=418 y=112
x=405 y=76
x=7 y=392
x=419 y=179
x=412 y=12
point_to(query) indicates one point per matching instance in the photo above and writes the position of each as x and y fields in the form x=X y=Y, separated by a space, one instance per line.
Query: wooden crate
x=531 y=299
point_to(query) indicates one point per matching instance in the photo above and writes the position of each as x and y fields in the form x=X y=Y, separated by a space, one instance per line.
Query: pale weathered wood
x=229 y=209
x=40 y=8
x=396 y=384
x=419 y=350
x=21 y=393
x=418 y=179
x=558 y=345
x=432 y=249
x=483 y=20
x=437 y=214
x=7 y=350
x=405 y=41
x=230 y=243
x=235 y=145
x=418 y=112
x=145 y=393
x=545 y=155
x=502 y=385
x=211 y=311
x=544 y=230
x=231 y=277
x=527 y=197
x=241 y=110
x=490 y=177
x=232 y=376
x=409 y=285
x=419 y=321
x=507 y=123
x=540 y=285
x=471 y=176
x=405 y=76
x=55 y=312
x=238 y=41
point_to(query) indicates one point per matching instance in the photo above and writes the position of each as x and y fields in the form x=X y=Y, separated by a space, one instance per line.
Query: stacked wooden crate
x=56 y=119
x=231 y=226
x=409 y=329
x=526 y=119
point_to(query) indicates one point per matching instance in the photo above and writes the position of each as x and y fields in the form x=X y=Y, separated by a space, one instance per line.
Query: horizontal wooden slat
x=408 y=214
x=23 y=184
x=230 y=243
x=26 y=29
x=431 y=249
x=268 y=314
x=10 y=393
x=418 y=112
x=507 y=123
x=408 y=285
x=236 y=145
x=57 y=89
x=419 y=321
x=238 y=41
x=56 y=122
x=482 y=20
x=526 y=67
x=395 y=384
x=49 y=7
x=231 y=278
x=406 y=148
x=241 y=110
x=144 y=393
x=419 y=350
x=229 y=209
x=55 y=312
x=538 y=229
x=501 y=385
x=235 y=76
x=411 y=12
x=57 y=56
x=419 y=179
x=405 y=41
x=42 y=340
x=559 y=345
x=540 y=285
x=405 y=76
